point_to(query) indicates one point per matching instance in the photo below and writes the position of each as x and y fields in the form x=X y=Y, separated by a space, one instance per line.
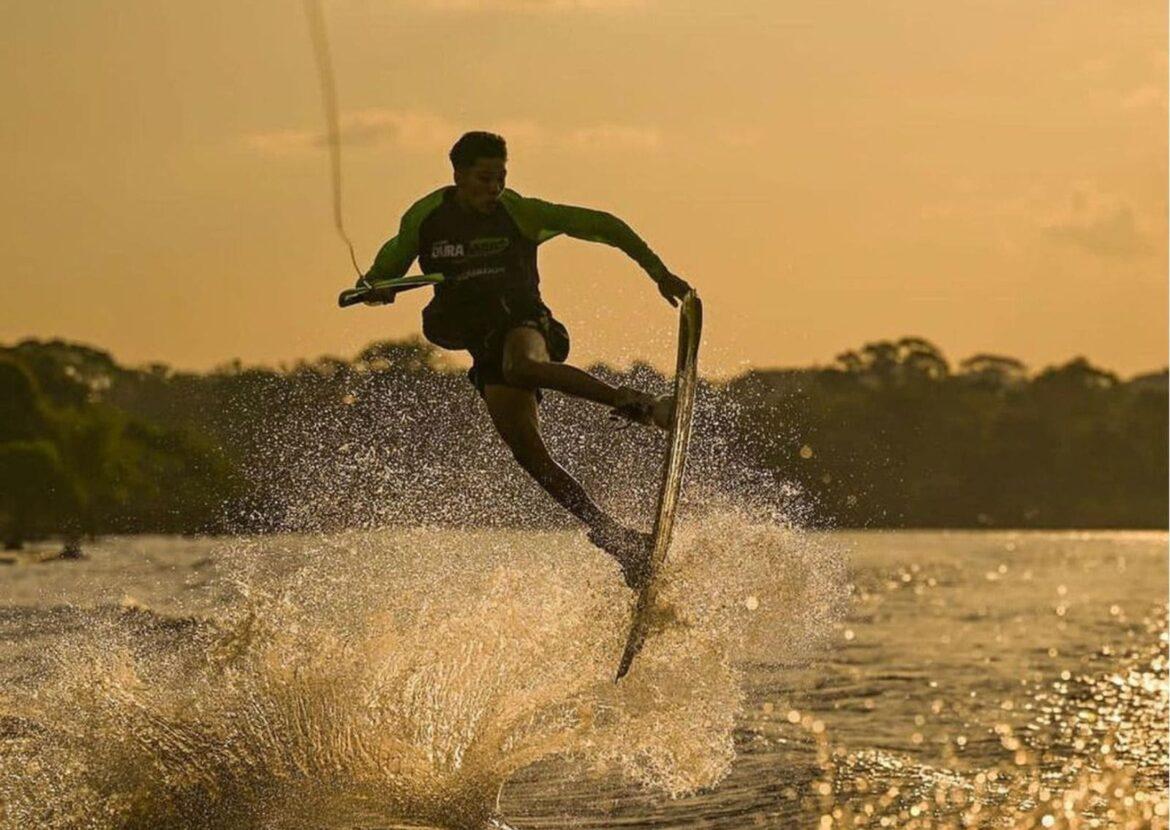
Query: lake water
x=443 y=678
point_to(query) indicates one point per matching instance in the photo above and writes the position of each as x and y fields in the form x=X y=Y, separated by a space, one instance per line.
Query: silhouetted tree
x=994 y=372
x=887 y=436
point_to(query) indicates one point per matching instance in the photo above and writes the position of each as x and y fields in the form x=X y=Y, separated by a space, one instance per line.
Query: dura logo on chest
x=483 y=246
x=446 y=250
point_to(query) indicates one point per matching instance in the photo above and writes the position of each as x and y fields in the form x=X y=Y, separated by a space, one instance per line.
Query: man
x=483 y=239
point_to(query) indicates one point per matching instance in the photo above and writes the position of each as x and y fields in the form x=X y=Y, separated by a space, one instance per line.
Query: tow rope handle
x=384 y=291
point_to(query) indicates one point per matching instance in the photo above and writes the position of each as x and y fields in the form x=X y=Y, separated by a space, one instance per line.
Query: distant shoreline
x=892 y=436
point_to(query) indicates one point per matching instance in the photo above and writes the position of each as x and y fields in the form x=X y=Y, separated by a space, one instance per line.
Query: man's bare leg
x=515 y=415
x=527 y=365
x=514 y=412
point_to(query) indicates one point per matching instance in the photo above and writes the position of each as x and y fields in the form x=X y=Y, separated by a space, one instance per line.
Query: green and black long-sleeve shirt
x=495 y=253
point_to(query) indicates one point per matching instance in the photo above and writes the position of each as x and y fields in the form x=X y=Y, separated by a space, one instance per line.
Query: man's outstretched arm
x=398 y=254
x=540 y=220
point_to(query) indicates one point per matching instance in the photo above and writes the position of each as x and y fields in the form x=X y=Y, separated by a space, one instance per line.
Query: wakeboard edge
x=685 y=381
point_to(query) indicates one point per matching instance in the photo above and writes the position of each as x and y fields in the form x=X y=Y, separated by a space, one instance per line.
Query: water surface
x=437 y=678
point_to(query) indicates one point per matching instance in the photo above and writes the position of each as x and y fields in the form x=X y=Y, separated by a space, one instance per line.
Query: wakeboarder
x=482 y=238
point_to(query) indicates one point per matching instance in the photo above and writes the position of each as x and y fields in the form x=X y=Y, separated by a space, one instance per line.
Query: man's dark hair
x=477 y=145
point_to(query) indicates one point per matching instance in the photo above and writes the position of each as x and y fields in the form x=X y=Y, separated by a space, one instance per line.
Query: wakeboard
x=685 y=380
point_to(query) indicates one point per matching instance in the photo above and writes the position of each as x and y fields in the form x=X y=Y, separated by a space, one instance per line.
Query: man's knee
x=522 y=370
x=525 y=355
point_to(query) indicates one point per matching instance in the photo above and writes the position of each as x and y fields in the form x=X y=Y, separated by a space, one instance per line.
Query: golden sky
x=988 y=174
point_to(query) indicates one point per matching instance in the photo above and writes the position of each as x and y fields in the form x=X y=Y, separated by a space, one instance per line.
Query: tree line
x=888 y=435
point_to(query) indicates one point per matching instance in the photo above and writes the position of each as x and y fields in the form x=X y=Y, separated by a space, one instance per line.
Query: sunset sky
x=988 y=174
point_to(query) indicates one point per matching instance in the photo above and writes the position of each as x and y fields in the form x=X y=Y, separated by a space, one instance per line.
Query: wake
x=404 y=676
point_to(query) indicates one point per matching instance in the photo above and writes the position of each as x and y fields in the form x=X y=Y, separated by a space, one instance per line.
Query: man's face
x=480 y=185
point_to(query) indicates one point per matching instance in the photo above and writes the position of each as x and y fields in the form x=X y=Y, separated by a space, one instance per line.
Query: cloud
x=614 y=137
x=408 y=130
x=531 y=6
x=430 y=132
x=1095 y=67
x=1101 y=225
x=281 y=142
x=1118 y=82
x=739 y=137
x=1145 y=97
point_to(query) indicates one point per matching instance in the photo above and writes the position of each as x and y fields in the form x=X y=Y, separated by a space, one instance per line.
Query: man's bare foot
x=643 y=408
x=631 y=549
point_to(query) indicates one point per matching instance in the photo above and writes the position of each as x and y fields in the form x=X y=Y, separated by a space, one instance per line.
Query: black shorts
x=481 y=328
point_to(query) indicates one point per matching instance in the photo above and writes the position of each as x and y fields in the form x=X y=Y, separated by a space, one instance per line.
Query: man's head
x=480 y=162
